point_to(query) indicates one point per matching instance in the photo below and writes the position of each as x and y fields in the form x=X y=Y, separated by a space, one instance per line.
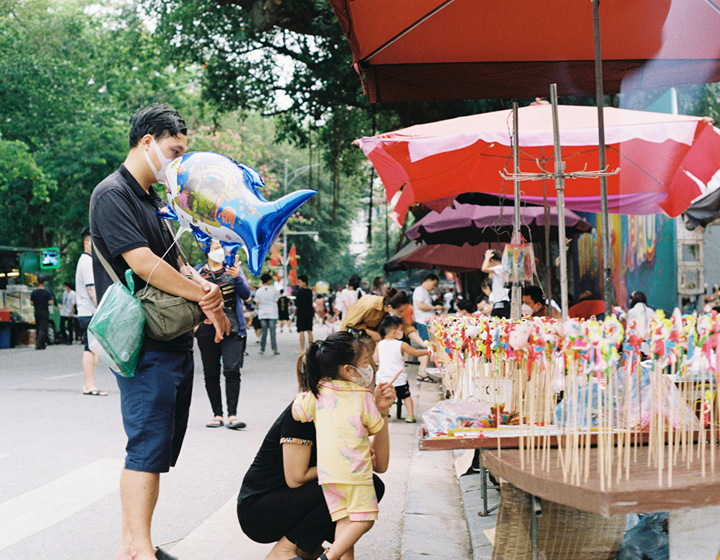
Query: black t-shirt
x=226 y=283
x=304 y=302
x=41 y=297
x=283 y=305
x=124 y=217
x=266 y=473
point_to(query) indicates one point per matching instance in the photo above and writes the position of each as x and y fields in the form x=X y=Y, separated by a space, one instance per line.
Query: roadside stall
x=19 y=271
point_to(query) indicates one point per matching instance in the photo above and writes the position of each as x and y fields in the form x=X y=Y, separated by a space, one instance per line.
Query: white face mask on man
x=164 y=162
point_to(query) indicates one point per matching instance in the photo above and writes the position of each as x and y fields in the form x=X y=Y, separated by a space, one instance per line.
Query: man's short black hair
x=158 y=120
x=304 y=278
x=265 y=278
x=69 y=285
x=84 y=234
x=535 y=293
x=41 y=280
x=432 y=277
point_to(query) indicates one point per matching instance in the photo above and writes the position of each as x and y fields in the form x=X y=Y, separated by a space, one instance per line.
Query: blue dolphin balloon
x=218 y=198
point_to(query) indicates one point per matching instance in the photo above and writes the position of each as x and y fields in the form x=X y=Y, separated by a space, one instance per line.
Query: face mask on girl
x=164 y=162
x=217 y=255
x=366 y=376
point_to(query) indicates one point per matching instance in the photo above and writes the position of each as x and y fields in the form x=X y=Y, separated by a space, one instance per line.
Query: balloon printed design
x=214 y=197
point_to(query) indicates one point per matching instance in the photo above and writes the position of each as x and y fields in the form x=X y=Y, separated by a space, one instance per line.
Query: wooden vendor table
x=693 y=500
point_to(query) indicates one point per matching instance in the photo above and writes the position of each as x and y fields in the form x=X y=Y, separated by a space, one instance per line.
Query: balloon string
x=156 y=265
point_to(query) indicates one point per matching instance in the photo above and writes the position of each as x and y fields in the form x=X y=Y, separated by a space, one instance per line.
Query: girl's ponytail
x=323 y=359
x=309 y=372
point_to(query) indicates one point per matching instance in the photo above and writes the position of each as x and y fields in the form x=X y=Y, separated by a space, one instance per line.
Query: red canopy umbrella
x=418 y=50
x=662 y=158
x=452 y=258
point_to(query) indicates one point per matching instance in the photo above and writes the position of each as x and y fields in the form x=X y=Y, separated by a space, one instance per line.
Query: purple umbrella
x=472 y=224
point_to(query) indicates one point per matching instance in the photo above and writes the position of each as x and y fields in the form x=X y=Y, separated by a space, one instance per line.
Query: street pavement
x=61 y=453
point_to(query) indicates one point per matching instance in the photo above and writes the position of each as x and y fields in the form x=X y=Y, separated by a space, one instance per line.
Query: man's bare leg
x=423 y=365
x=138 y=494
x=89 y=363
x=302 y=341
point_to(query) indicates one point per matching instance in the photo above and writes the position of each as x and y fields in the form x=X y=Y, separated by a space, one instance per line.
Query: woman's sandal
x=215 y=423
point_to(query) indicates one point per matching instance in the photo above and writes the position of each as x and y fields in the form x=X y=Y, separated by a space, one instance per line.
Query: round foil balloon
x=218 y=198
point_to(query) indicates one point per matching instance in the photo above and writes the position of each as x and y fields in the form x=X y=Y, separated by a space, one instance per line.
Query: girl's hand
x=235 y=270
x=373 y=458
x=384 y=396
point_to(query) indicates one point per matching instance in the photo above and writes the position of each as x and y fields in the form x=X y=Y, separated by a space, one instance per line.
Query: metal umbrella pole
x=560 y=188
x=607 y=271
x=516 y=295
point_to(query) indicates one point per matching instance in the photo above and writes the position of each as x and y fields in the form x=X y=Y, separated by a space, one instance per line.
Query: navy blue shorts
x=84 y=322
x=155 y=406
x=422 y=331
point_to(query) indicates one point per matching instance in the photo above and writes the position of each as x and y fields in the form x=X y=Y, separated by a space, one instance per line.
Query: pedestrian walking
x=128 y=233
x=231 y=349
x=304 y=311
x=86 y=301
x=283 y=311
x=41 y=299
x=350 y=294
x=499 y=296
x=67 y=313
x=266 y=298
x=319 y=307
x=424 y=310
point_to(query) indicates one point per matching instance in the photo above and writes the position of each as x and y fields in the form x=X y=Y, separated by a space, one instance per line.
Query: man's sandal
x=426 y=379
x=215 y=423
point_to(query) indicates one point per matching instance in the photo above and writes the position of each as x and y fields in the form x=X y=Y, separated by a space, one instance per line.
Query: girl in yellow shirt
x=342 y=405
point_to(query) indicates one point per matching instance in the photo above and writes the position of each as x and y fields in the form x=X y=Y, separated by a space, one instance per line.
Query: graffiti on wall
x=642 y=258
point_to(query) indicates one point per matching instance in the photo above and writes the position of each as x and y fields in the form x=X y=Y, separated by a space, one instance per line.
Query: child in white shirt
x=391 y=362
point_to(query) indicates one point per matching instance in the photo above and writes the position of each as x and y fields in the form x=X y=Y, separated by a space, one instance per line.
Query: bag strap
x=106 y=266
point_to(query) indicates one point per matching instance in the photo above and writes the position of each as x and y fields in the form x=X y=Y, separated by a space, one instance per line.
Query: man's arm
x=144 y=262
x=424 y=306
x=91 y=293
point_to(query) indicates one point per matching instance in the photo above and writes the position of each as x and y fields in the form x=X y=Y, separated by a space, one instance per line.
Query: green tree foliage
x=24 y=189
x=70 y=78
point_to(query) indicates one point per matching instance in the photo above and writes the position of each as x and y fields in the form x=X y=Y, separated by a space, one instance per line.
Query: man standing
x=67 y=313
x=127 y=233
x=266 y=298
x=41 y=300
x=86 y=305
x=424 y=310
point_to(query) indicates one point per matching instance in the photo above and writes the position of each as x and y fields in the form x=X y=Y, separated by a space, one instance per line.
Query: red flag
x=292 y=257
x=293 y=277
